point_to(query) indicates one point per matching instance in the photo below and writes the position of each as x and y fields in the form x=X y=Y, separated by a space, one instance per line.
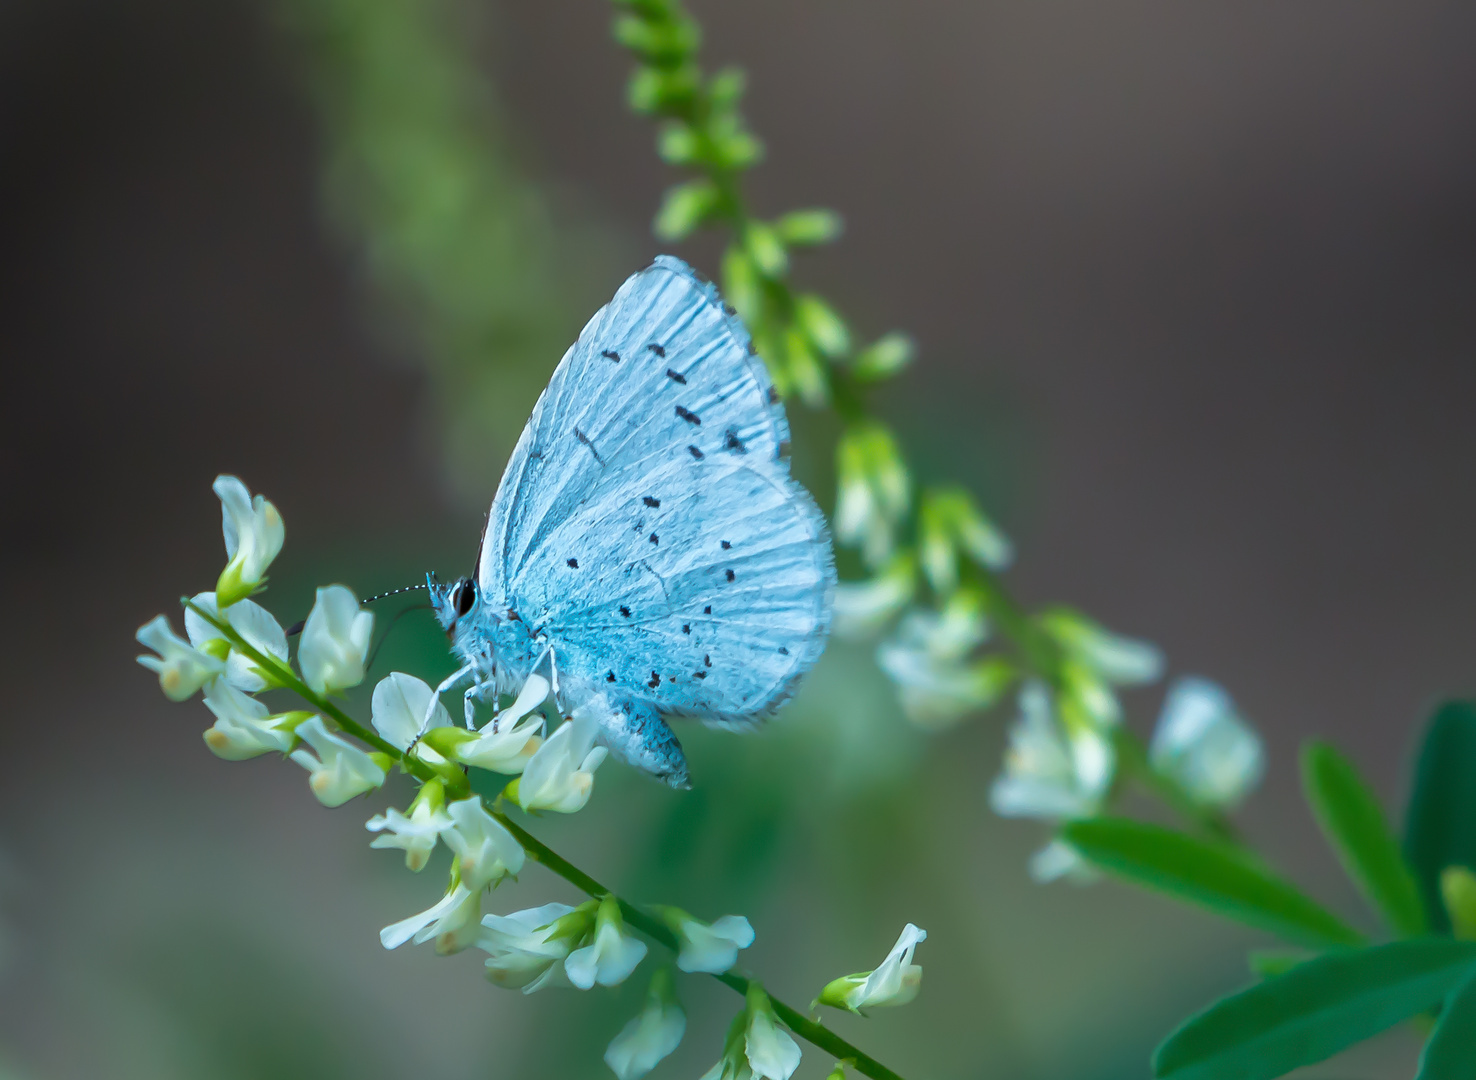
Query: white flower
x=1048 y=774
x=652 y=1035
x=416 y=833
x=1120 y=660
x=770 y=1050
x=1202 y=743
x=525 y=948
x=485 y=851
x=335 y=641
x=895 y=982
x=872 y=490
x=560 y=774
x=502 y=746
x=924 y=658
x=1059 y=859
x=456 y=911
x=243 y=729
x=398 y=709
x=182 y=668
x=861 y=608
x=341 y=770
x=610 y=956
x=254 y=623
x=253 y=537
x=713 y=947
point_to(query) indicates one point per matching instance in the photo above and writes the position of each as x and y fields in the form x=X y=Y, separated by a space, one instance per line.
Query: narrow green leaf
x=884 y=357
x=1313 y=1011
x=765 y=249
x=683 y=208
x=1440 y=828
x=1458 y=890
x=1450 y=1053
x=1217 y=877
x=1354 y=824
x=809 y=227
x=1267 y=963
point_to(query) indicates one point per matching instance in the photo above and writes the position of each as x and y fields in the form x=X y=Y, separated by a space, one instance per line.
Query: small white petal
x=398 y=709
x=341 y=770
x=771 y=1052
x=182 y=669
x=242 y=728
x=648 y=1038
x=608 y=960
x=434 y=920
x=896 y=981
x=560 y=774
x=501 y=747
x=486 y=852
x=712 y=948
x=254 y=623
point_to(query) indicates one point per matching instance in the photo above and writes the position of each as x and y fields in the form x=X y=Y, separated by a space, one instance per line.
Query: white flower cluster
x=235 y=649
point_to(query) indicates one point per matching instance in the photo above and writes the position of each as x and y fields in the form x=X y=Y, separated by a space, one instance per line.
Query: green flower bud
x=684 y=208
x=1458 y=890
x=825 y=329
x=807 y=228
x=765 y=249
x=884 y=357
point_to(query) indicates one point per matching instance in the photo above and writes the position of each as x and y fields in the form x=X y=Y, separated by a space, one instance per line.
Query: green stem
x=810 y=1030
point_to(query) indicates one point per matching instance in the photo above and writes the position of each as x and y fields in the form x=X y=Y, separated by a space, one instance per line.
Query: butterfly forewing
x=661 y=373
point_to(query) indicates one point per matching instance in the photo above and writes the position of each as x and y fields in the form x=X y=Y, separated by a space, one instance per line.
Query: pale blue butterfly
x=647 y=550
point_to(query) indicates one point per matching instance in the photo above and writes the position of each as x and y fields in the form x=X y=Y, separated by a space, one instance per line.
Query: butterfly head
x=452 y=601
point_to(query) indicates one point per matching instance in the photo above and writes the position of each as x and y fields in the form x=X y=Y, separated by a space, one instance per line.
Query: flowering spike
x=335 y=641
x=182 y=668
x=253 y=536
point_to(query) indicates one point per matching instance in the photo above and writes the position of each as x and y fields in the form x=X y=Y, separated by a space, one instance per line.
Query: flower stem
x=810 y=1030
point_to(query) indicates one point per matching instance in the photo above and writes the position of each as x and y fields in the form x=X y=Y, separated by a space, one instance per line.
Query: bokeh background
x=1194 y=288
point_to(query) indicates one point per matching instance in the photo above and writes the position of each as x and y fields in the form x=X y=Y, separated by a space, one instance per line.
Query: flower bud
x=335 y=641
x=253 y=536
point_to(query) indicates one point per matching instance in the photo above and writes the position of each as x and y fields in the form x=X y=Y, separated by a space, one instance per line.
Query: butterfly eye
x=466 y=596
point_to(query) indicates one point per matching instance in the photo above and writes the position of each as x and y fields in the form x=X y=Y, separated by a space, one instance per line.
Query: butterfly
x=648 y=553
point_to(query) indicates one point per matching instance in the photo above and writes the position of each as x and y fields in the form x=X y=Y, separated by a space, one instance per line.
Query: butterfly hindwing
x=662 y=373
x=702 y=587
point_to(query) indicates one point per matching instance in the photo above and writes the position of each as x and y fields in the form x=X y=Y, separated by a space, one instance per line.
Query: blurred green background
x=1193 y=290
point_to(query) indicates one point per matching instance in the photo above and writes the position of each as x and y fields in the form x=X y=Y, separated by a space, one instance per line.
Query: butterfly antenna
x=296 y=628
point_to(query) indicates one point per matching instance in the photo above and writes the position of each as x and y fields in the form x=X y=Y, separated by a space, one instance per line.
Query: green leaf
x=1440 y=828
x=1354 y=824
x=1313 y=1011
x=1450 y=1053
x=1212 y=875
x=1267 y=963
x=826 y=330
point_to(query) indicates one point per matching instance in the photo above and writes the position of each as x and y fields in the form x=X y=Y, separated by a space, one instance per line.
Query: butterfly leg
x=636 y=734
x=449 y=683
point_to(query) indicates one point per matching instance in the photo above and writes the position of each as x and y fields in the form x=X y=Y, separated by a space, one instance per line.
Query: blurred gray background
x=1194 y=290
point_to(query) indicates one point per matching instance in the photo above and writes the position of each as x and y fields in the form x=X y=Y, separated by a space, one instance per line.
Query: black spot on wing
x=609 y=676
x=655 y=681
x=695 y=452
x=653 y=503
x=707 y=610
x=573 y=564
x=699 y=674
x=676 y=377
x=730 y=575
x=689 y=416
x=707 y=660
x=773 y=396
x=624 y=611
x=783 y=650
x=733 y=443
x=583 y=438
x=657 y=349
x=686 y=628
x=655 y=539
x=726 y=545
x=611 y=354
